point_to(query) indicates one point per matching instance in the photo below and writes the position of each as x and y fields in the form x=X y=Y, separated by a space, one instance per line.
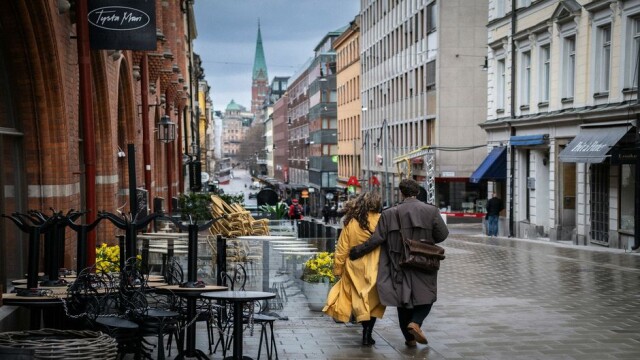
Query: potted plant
x=276 y=212
x=196 y=205
x=317 y=278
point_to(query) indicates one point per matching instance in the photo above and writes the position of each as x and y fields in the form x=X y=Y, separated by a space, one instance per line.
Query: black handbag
x=419 y=254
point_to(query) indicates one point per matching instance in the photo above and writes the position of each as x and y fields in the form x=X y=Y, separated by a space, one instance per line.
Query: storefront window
x=459 y=195
x=627 y=197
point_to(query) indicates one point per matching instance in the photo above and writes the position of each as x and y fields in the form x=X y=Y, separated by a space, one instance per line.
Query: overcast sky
x=291 y=29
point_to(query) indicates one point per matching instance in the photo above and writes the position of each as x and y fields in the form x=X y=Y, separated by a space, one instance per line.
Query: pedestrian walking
x=355 y=293
x=326 y=213
x=295 y=210
x=333 y=214
x=494 y=207
x=412 y=291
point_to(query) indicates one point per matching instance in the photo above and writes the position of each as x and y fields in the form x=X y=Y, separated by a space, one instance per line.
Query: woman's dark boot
x=365 y=337
x=366 y=333
x=372 y=322
x=367 y=329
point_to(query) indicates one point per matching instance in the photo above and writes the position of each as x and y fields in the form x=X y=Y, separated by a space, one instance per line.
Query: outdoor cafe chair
x=92 y=302
x=156 y=314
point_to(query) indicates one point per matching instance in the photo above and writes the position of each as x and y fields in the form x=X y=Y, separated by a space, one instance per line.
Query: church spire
x=259 y=63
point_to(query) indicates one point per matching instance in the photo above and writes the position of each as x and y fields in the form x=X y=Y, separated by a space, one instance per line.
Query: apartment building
x=423 y=91
x=234 y=123
x=563 y=102
x=349 y=107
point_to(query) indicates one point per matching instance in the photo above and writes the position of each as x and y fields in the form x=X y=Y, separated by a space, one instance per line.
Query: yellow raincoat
x=355 y=293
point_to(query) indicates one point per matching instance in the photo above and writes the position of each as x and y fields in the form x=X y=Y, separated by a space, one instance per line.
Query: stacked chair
x=237 y=220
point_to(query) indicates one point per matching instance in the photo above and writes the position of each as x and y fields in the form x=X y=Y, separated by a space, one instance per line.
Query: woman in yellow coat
x=356 y=293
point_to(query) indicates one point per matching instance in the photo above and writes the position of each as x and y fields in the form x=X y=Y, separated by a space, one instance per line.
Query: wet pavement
x=498 y=298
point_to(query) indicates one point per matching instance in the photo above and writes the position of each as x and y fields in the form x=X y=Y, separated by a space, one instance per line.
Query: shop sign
x=623 y=156
x=122 y=24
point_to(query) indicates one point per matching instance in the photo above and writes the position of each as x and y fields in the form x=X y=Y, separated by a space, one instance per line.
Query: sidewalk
x=498 y=298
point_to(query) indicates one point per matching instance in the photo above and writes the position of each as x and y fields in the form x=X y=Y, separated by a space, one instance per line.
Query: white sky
x=291 y=29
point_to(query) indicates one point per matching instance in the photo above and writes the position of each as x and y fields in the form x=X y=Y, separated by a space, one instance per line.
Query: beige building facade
x=348 y=104
x=562 y=97
x=424 y=91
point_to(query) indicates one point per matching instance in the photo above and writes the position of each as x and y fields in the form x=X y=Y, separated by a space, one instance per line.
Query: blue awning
x=529 y=140
x=494 y=166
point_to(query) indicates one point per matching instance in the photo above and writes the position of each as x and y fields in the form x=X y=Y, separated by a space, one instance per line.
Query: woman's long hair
x=360 y=207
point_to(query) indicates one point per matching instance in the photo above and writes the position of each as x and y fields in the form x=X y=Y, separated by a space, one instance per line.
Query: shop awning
x=592 y=145
x=494 y=166
x=529 y=140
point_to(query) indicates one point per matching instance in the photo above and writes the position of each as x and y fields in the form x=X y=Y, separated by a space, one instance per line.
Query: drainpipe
x=512 y=130
x=636 y=222
x=170 y=156
x=86 y=116
x=146 y=142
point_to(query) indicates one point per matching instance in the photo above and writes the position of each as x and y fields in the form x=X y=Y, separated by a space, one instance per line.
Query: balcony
x=327 y=137
x=322 y=164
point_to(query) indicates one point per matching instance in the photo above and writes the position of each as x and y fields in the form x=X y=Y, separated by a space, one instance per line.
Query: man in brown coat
x=413 y=292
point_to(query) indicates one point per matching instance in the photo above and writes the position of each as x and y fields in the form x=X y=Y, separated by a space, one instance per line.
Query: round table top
x=299 y=253
x=177 y=289
x=155 y=278
x=239 y=295
x=266 y=237
x=14 y=299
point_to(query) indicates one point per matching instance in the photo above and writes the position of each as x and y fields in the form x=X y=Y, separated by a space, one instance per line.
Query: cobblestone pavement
x=498 y=299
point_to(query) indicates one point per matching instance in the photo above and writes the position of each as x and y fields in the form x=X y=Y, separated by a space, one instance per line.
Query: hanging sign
x=122 y=24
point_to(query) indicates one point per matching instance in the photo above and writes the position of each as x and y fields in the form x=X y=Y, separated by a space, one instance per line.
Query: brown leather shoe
x=410 y=343
x=414 y=329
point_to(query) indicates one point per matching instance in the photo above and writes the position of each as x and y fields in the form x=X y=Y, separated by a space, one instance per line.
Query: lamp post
x=195 y=182
x=167 y=134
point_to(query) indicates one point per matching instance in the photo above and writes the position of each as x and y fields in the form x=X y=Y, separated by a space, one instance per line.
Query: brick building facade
x=41 y=127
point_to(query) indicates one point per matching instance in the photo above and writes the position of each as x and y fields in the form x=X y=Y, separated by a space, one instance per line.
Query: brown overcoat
x=399 y=286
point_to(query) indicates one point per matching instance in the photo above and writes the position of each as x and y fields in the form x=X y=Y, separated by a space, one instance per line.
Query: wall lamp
x=166 y=129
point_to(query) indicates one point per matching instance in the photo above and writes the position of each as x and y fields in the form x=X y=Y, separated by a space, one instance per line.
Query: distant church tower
x=260 y=80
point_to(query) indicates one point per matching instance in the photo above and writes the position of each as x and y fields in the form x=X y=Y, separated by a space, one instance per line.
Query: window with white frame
x=524 y=3
x=545 y=72
x=603 y=59
x=569 y=67
x=525 y=78
x=500 y=8
x=633 y=52
x=501 y=83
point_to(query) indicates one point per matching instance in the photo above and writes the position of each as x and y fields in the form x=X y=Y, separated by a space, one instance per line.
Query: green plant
x=196 y=205
x=277 y=211
x=233 y=199
x=107 y=258
x=319 y=268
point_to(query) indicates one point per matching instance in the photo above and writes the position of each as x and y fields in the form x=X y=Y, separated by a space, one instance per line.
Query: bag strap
x=399 y=222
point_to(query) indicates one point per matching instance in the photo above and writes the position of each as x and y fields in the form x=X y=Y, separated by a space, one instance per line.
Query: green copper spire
x=259 y=64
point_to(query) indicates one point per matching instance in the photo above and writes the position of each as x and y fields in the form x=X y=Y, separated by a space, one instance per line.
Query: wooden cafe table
x=38 y=304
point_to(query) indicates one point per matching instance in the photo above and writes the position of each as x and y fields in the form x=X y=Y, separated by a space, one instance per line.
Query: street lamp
x=166 y=129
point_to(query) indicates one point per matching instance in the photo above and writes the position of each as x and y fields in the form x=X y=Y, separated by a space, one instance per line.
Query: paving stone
x=498 y=298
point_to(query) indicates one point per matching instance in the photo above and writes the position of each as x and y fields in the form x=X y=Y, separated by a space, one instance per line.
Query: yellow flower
x=319 y=268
